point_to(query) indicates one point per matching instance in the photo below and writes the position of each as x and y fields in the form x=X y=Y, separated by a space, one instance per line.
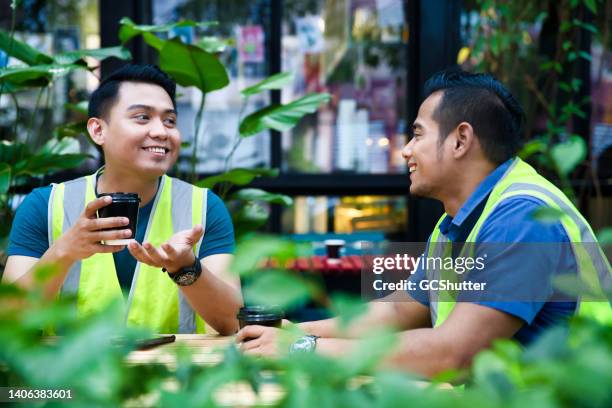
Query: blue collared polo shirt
x=512 y=222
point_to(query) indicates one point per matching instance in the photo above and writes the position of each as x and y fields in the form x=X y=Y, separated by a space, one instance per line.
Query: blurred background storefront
x=343 y=164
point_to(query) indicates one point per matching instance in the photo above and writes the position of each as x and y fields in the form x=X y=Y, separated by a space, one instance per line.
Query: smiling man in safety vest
x=464 y=153
x=177 y=279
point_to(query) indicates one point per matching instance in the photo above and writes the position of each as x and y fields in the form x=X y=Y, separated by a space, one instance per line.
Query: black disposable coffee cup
x=123 y=205
x=333 y=248
x=259 y=315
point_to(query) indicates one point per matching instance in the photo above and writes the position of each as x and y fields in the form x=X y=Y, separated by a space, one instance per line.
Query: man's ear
x=464 y=139
x=95 y=127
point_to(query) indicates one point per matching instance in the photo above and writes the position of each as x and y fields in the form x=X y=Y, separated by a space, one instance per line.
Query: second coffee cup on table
x=123 y=205
x=259 y=315
x=333 y=248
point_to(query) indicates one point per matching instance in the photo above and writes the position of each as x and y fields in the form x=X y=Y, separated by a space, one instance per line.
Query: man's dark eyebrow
x=149 y=108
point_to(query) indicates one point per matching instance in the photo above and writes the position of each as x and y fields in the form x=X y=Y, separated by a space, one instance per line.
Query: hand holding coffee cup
x=122 y=205
x=85 y=237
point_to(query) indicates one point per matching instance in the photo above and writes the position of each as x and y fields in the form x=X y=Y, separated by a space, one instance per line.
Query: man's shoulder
x=38 y=196
x=516 y=219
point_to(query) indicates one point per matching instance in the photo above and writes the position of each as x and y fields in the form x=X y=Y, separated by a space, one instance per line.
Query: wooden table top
x=206 y=349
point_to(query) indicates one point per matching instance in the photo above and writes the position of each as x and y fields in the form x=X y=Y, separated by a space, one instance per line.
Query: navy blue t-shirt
x=517 y=272
x=29 y=234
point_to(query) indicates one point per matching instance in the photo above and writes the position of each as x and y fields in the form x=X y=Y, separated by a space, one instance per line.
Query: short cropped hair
x=482 y=101
x=103 y=98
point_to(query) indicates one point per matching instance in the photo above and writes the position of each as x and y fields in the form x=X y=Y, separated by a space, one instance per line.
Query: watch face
x=303 y=344
x=185 y=278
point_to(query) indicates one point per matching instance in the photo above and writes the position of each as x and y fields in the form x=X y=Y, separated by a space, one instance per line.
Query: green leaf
x=192 y=66
x=12 y=152
x=565 y=26
x=282 y=117
x=22 y=51
x=273 y=288
x=100 y=53
x=605 y=236
x=53 y=156
x=569 y=154
x=129 y=29
x=532 y=147
x=5 y=177
x=551 y=344
x=41 y=164
x=277 y=81
x=249 y=217
x=585 y=26
x=154 y=41
x=255 y=194
x=547 y=215
x=370 y=351
x=347 y=308
x=39 y=75
x=214 y=44
x=80 y=107
x=73 y=129
x=237 y=176
x=585 y=55
x=592 y=5
x=251 y=253
x=8 y=87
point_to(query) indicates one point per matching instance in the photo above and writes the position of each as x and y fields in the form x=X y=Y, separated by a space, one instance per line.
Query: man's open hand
x=174 y=254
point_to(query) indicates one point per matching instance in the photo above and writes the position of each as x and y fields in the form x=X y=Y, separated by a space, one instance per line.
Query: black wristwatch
x=187 y=275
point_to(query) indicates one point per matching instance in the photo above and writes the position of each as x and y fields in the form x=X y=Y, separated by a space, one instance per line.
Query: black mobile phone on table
x=154 y=342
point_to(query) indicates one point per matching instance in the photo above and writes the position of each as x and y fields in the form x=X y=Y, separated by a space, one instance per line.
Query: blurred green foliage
x=538 y=49
x=563 y=368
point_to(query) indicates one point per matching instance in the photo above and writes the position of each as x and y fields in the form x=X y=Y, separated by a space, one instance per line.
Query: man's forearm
x=53 y=259
x=216 y=301
x=421 y=351
x=379 y=315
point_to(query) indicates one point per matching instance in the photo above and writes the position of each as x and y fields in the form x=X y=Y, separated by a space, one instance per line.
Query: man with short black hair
x=463 y=153
x=178 y=278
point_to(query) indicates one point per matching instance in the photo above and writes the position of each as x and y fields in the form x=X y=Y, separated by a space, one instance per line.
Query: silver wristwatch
x=305 y=344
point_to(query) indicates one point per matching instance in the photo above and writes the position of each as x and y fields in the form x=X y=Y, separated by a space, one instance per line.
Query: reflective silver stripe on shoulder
x=434 y=274
x=181 y=220
x=50 y=214
x=586 y=236
x=181 y=205
x=146 y=236
x=74 y=203
x=509 y=169
x=204 y=211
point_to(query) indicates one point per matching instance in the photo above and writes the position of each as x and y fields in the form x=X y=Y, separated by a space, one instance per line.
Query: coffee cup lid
x=121 y=196
x=260 y=311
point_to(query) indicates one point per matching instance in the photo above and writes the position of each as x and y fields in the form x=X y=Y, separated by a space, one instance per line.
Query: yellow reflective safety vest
x=522 y=179
x=154 y=300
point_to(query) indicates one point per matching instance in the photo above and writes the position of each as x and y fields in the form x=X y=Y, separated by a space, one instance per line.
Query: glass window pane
x=356 y=51
x=243 y=31
x=52 y=28
x=383 y=216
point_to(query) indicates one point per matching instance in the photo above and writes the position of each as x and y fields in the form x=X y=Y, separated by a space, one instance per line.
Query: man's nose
x=158 y=130
x=407 y=150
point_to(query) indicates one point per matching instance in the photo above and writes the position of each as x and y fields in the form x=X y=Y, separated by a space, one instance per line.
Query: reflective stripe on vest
x=154 y=301
x=593 y=266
